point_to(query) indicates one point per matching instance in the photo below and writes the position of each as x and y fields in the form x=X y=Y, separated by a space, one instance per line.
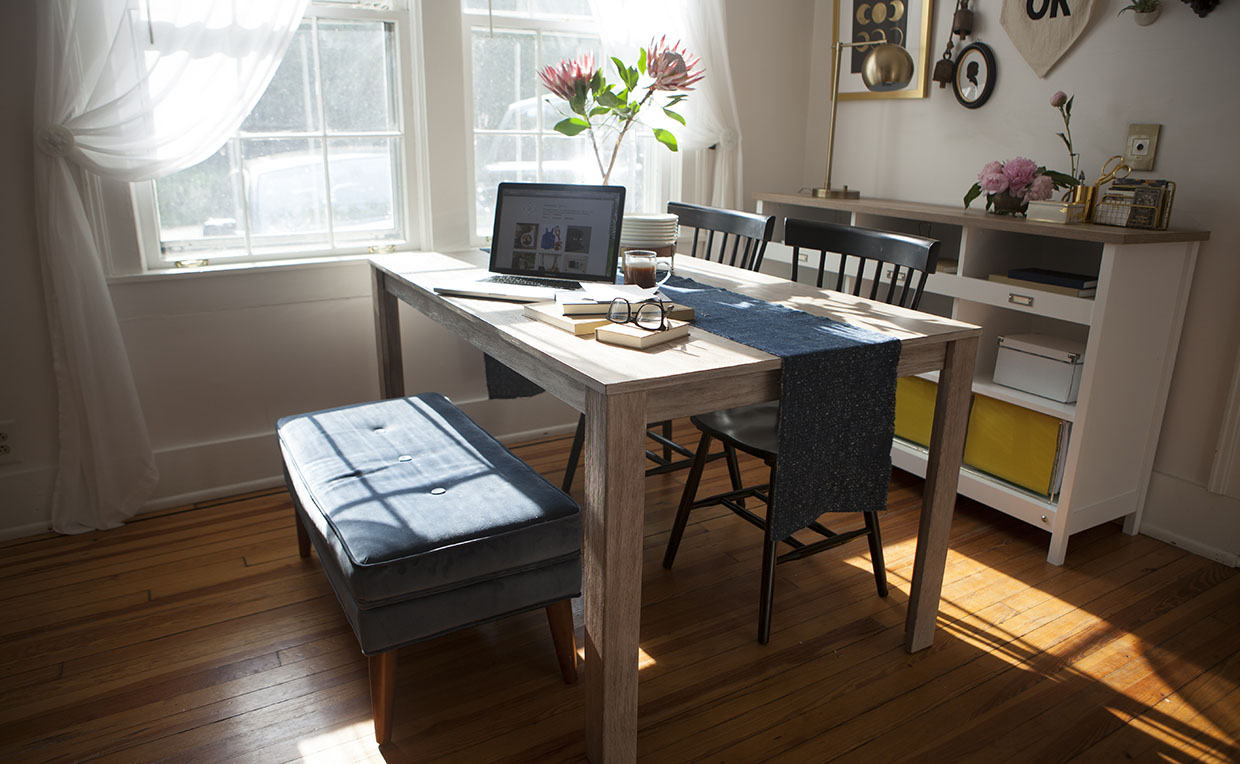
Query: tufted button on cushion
x=412 y=498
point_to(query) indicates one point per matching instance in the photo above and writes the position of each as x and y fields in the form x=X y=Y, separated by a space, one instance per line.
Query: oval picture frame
x=975 y=76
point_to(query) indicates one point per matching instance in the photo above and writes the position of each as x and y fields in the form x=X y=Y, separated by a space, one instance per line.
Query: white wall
x=1181 y=73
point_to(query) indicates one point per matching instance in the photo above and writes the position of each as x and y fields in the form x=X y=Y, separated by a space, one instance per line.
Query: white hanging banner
x=1044 y=30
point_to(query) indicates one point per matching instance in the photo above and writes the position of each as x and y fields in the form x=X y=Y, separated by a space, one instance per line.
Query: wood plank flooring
x=199 y=635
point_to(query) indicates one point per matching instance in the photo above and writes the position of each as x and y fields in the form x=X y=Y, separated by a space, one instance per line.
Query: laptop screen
x=557 y=230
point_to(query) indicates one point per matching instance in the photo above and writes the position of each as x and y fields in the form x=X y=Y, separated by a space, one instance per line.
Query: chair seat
x=411 y=499
x=749 y=428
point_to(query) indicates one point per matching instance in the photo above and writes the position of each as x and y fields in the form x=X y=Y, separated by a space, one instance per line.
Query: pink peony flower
x=993 y=183
x=1059 y=99
x=991 y=168
x=1019 y=172
x=563 y=81
x=670 y=66
x=1039 y=188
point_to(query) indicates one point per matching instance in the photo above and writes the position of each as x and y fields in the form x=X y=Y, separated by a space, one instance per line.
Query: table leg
x=951 y=419
x=387 y=337
x=612 y=558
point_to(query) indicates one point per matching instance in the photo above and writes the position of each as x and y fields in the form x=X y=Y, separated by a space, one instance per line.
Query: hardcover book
x=633 y=337
x=549 y=313
x=1041 y=287
x=1058 y=278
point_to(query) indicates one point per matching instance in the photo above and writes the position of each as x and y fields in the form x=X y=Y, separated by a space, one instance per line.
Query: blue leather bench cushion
x=412 y=498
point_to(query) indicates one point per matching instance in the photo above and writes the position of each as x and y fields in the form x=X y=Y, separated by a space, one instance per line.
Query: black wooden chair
x=724 y=236
x=899 y=267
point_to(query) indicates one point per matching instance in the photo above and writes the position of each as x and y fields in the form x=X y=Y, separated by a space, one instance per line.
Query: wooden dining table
x=621 y=389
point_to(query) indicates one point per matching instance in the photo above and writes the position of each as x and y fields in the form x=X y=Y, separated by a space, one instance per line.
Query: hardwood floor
x=199 y=635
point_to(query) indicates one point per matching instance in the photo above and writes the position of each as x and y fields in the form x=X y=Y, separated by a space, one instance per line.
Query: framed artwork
x=904 y=22
x=975 y=75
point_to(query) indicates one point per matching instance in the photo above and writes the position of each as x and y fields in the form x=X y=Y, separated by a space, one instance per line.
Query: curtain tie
x=55 y=140
x=729 y=139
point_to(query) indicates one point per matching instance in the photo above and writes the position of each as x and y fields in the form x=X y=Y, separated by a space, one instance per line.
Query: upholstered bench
x=425 y=524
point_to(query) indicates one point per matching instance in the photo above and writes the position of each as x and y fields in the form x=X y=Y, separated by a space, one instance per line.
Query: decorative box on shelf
x=1056 y=212
x=1040 y=364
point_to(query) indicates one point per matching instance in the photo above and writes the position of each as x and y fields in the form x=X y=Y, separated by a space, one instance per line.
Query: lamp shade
x=887 y=67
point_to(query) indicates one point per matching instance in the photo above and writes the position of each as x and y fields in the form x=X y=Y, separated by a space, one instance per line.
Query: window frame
x=666 y=185
x=413 y=164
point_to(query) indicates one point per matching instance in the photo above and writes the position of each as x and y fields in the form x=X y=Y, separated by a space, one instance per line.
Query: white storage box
x=1041 y=364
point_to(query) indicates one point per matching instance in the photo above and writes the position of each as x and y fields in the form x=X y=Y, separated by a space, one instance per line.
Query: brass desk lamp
x=886 y=67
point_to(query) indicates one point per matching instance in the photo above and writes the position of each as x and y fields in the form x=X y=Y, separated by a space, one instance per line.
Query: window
x=514 y=115
x=318 y=167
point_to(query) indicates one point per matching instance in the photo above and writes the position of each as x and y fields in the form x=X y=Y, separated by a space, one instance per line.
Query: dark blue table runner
x=836 y=405
x=837 y=399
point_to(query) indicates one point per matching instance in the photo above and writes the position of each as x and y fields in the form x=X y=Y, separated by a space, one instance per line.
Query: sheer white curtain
x=127 y=89
x=710 y=111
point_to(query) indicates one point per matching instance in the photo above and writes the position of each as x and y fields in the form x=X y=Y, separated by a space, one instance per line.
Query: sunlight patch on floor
x=352 y=742
x=644 y=659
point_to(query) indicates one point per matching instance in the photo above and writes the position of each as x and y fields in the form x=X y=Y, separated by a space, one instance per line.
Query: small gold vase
x=1085 y=195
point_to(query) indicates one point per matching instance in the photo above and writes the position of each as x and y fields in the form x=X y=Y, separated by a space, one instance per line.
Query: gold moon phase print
x=870 y=18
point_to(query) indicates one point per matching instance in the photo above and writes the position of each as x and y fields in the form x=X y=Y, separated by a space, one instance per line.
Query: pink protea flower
x=1019 y=172
x=994 y=182
x=670 y=66
x=1059 y=99
x=562 y=81
x=1039 y=188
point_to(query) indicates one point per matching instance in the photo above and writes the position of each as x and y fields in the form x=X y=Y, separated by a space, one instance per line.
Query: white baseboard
x=1187 y=515
x=21 y=531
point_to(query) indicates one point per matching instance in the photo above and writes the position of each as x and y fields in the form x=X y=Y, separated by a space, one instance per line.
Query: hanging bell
x=944 y=70
x=962 y=22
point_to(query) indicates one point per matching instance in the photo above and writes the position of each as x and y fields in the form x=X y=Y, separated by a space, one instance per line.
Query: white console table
x=1131 y=330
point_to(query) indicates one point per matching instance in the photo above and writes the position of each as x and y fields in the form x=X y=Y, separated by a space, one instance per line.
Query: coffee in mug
x=641 y=268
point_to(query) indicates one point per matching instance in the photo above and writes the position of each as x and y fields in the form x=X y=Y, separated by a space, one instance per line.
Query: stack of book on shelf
x=586 y=318
x=1046 y=280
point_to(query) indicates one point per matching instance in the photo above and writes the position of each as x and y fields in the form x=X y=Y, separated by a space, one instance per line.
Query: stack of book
x=1047 y=280
x=585 y=318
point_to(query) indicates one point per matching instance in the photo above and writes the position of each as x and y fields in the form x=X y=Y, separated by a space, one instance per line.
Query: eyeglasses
x=650 y=315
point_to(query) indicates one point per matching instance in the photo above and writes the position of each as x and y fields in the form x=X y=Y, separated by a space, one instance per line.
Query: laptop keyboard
x=533 y=281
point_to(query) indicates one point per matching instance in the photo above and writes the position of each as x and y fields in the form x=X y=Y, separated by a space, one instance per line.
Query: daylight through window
x=514 y=115
x=318 y=165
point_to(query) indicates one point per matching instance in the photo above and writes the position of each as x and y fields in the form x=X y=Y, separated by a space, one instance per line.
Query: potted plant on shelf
x=1143 y=11
x=1011 y=185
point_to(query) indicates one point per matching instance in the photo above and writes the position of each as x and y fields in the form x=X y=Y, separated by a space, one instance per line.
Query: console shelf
x=1131 y=331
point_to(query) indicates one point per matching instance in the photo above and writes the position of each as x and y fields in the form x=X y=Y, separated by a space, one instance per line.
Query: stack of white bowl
x=655 y=231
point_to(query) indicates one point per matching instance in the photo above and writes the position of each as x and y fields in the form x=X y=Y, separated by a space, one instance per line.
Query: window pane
x=500 y=158
x=290 y=103
x=499 y=6
x=364 y=201
x=285 y=186
x=356 y=59
x=504 y=76
x=201 y=203
x=569 y=160
x=563 y=8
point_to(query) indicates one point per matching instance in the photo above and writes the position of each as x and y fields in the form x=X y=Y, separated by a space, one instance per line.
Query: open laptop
x=548 y=237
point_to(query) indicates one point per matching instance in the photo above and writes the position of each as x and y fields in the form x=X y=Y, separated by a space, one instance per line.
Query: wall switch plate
x=1140 y=147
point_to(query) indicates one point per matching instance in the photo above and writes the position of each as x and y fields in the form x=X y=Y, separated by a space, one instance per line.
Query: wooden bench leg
x=303 y=538
x=560 y=618
x=382 y=686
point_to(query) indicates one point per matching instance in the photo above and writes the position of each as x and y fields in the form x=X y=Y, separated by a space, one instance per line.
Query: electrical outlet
x=8 y=444
x=1140 y=147
x=803 y=257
